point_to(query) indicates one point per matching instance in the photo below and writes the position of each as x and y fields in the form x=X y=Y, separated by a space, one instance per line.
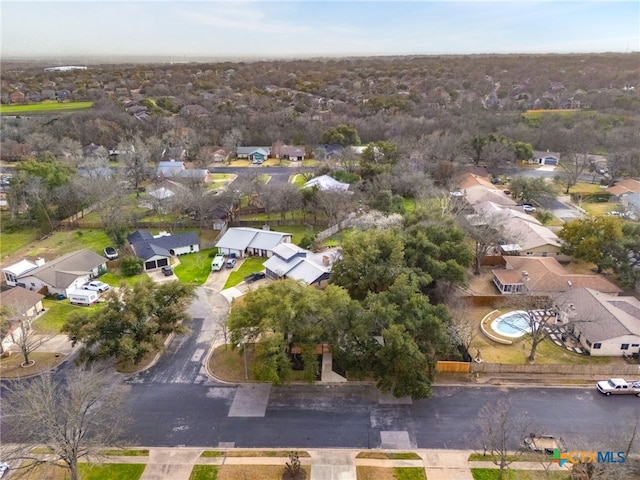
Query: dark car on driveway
x=167 y=271
x=255 y=276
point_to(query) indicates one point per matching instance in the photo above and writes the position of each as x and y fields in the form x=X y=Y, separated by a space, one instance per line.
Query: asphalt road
x=174 y=403
x=278 y=174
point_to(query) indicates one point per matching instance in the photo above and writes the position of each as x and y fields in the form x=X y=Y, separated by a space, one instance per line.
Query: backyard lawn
x=56 y=244
x=247 y=267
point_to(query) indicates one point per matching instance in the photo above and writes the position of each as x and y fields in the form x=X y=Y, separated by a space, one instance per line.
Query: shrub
x=307 y=240
x=131 y=266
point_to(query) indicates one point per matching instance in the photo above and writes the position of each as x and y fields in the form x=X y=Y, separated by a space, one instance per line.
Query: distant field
x=48 y=107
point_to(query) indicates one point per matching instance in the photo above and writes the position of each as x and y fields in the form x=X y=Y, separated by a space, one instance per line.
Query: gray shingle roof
x=241 y=238
x=63 y=271
x=146 y=247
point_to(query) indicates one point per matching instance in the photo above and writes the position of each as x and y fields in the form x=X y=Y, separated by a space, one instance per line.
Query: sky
x=235 y=29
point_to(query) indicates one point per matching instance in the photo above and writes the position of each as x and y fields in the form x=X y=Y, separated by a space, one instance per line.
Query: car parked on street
x=96 y=285
x=528 y=208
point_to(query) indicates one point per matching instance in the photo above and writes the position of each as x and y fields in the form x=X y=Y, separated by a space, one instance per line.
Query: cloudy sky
x=301 y=28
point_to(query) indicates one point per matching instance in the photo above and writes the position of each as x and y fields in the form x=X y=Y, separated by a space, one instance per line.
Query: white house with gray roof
x=64 y=274
x=291 y=261
x=605 y=325
x=325 y=182
x=246 y=241
x=156 y=251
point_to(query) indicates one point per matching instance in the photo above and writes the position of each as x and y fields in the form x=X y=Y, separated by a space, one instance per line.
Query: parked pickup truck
x=619 y=386
x=544 y=443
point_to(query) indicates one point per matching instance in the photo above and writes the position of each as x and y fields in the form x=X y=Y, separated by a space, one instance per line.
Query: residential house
x=33 y=96
x=544 y=277
x=631 y=203
x=546 y=158
x=245 y=241
x=533 y=239
x=17 y=97
x=13 y=272
x=48 y=94
x=174 y=153
x=21 y=303
x=605 y=325
x=255 y=154
x=327 y=152
x=292 y=153
x=476 y=189
x=170 y=169
x=325 y=182
x=220 y=155
x=64 y=274
x=624 y=187
x=156 y=251
x=290 y=261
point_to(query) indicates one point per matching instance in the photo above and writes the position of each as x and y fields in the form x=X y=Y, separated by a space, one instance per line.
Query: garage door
x=163 y=262
x=150 y=265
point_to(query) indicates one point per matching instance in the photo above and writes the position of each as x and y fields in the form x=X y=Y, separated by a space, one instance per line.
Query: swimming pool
x=512 y=324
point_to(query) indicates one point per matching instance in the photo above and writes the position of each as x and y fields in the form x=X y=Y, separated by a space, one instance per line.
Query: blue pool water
x=512 y=324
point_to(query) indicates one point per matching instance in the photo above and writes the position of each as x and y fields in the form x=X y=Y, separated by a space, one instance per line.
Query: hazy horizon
x=234 y=30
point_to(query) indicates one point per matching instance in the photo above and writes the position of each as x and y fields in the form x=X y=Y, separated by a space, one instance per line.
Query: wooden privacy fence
x=556 y=369
x=453 y=367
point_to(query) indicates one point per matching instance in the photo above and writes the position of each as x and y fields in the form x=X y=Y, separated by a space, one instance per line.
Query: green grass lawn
x=44 y=107
x=248 y=266
x=115 y=279
x=56 y=314
x=298 y=180
x=12 y=241
x=409 y=473
x=204 y=472
x=194 y=267
x=111 y=471
x=56 y=244
x=492 y=474
x=409 y=204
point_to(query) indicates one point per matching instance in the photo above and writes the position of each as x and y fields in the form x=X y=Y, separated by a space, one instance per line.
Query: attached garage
x=156 y=263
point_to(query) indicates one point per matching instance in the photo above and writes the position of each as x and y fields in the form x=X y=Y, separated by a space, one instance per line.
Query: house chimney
x=40 y=261
x=325 y=260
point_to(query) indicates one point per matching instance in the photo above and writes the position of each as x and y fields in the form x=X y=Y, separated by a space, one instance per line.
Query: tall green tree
x=478 y=142
x=342 y=134
x=283 y=315
x=378 y=158
x=371 y=261
x=129 y=325
x=592 y=239
x=528 y=190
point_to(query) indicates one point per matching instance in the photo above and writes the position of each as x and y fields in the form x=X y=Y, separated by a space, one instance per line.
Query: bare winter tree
x=487 y=231
x=462 y=327
x=28 y=339
x=501 y=432
x=571 y=169
x=75 y=416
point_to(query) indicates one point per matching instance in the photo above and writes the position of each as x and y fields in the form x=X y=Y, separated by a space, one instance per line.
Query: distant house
x=170 y=169
x=292 y=153
x=177 y=170
x=544 y=276
x=64 y=274
x=220 y=155
x=325 y=182
x=33 y=96
x=174 y=153
x=546 y=158
x=327 y=152
x=156 y=251
x=290 y=261
x=255 y=154
x=624 y=187
x=605 y=325
x=245 y=241
x=17 y=97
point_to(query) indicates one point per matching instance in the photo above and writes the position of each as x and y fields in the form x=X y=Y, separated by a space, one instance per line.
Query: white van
x=83 y=297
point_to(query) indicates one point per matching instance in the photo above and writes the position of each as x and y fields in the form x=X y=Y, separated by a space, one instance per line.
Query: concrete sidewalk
x=326 y=464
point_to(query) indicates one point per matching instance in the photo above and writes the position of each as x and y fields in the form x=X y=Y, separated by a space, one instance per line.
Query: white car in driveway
x=96 y=286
